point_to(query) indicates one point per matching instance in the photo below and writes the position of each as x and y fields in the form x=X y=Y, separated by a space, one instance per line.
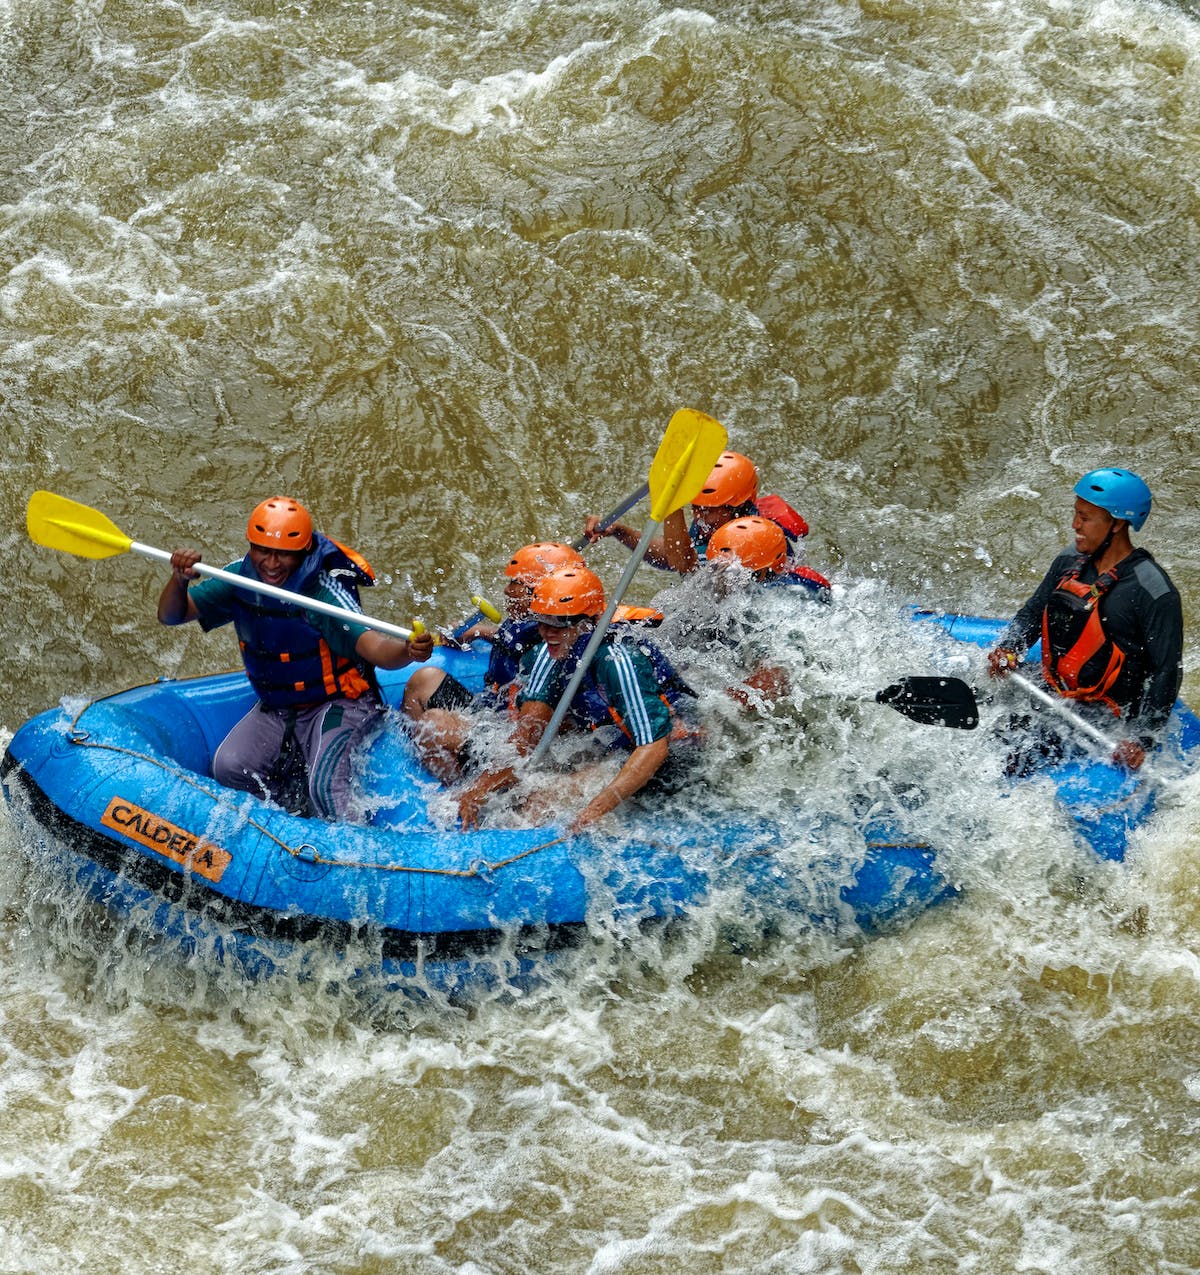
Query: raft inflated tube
x=487 y=609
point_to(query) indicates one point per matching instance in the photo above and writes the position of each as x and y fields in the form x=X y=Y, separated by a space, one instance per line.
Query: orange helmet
x=534 y=561
x=567 y=594
x=757 y=543
x=280 y=523
x=733 y=481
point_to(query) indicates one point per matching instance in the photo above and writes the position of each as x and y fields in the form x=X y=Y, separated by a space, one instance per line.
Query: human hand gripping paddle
x=689 y=449
x=949 y=701
x=1113 y=749
x=581 y=542
x=59 y=523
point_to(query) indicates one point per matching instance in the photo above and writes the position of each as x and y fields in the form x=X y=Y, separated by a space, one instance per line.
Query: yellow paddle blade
x=685 y=457
x=59 y=523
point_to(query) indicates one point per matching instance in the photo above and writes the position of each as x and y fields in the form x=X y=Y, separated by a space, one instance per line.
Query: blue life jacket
x=512 y=639
x=812 y=582
x=288 y=662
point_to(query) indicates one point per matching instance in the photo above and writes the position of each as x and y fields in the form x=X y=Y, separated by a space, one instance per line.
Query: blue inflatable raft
x=116 y=797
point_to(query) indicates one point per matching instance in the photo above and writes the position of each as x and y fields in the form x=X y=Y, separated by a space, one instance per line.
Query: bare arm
x=531 y=724
x=672 y=550
x=390 y=652
x=617 y=531
x=174 y=605
x=678 y=552
x=769 y=681
x=640 y=767
x=485 y=631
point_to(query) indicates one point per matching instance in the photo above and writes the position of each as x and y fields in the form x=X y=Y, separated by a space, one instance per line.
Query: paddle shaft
x=578 y=543
x=685 y=457
x=283 y=595
x=949 y=701
x=607 y=521
x=912 y=695
x=1056 y=705
x=589 y=651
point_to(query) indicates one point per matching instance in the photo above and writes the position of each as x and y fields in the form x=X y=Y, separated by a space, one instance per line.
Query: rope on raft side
x=481 y=867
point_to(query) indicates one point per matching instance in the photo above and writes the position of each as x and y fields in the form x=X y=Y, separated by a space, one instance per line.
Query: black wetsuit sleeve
x=1163 y=636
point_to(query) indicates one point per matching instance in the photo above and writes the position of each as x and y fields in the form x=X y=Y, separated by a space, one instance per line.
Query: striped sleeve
x=541 y=684
x=630 y=685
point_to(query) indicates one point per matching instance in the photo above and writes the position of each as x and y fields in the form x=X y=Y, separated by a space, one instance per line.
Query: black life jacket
x=1079 y=659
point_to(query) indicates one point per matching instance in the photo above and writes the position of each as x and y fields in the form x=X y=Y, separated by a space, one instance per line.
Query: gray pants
x=326 y=735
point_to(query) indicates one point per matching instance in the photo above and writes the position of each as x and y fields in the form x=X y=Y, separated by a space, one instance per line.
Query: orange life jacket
x=1079 y=659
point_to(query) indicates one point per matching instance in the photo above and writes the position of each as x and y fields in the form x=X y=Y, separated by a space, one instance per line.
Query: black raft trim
x=268 y=923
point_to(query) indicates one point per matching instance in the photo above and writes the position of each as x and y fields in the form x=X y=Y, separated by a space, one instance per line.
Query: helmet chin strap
x=1103 y=549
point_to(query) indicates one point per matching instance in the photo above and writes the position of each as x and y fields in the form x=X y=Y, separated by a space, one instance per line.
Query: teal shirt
x=624 y=679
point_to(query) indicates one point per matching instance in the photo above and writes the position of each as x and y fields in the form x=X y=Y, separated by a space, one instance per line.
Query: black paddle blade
x=933 y=701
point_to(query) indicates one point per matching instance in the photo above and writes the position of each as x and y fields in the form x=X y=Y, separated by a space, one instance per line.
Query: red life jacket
x=811 y=579
x=1078 y=658
x=779 y=511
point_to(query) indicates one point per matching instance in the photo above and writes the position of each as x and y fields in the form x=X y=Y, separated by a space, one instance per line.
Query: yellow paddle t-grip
x=486 y=608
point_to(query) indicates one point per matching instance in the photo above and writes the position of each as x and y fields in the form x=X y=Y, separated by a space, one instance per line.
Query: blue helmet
x=1121 y=493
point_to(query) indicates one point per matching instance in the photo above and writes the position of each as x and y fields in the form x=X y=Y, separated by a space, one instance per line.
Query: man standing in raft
x=313 y=674
x=1110 y=621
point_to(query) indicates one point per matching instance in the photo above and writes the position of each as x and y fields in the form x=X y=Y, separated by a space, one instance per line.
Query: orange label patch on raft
x=185 y=848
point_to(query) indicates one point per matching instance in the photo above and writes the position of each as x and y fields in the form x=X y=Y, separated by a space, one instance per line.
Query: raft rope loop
x=480 y=868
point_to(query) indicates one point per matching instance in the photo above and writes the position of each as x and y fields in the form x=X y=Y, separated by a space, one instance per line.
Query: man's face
x=516 y=596
x=710 y=518
x=558 y=640
x=274 y=565
x=1090 y=525
x=728 y=575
